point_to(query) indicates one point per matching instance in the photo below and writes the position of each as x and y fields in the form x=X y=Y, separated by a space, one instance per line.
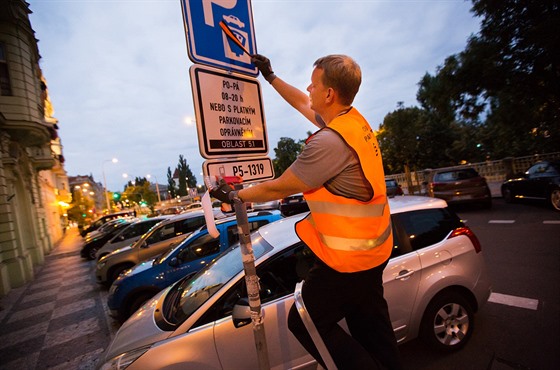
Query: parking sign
x=209 y=45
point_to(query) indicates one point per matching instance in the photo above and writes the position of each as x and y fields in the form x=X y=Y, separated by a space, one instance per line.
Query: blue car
x=135 y=286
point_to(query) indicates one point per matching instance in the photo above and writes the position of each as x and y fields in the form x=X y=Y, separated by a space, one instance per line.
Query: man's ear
x=330 y=95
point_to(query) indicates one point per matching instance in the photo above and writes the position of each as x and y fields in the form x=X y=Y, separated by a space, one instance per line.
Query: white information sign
x=229 y=113
x=249 y=169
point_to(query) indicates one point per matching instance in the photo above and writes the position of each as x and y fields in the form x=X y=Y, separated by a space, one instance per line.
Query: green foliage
x=171 y=187
x=286 y=152
x=497 y=98
x=186 y=177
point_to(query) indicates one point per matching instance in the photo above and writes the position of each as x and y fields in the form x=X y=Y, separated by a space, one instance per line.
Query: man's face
x=317 y=91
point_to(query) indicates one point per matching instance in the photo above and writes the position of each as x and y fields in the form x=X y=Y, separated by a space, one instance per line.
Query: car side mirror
x=241 y=314
x=144 y=244
x=174 y=262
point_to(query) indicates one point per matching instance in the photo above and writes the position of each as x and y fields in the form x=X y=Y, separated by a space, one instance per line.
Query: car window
x=202 y=247
x=277 y=278
x=427 y=227
x=401 y=245
x=467 y=173
x=188 y=225
x=233 y=234
x=542 y=170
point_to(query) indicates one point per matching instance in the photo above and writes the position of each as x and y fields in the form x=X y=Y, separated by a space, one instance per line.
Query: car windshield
x=188 y=295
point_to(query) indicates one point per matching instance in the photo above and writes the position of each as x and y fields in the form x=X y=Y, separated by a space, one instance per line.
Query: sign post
x=230 y=119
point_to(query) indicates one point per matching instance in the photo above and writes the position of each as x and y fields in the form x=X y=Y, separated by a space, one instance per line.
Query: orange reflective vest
x=347 y=234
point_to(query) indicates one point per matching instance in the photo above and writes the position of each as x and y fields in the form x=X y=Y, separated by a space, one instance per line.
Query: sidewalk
x=58 y=320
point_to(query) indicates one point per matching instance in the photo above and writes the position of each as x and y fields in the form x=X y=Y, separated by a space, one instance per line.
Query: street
x=521 y=247
x=60 y=321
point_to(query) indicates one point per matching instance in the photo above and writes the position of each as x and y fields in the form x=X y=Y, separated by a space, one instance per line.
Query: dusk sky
x=118 y=70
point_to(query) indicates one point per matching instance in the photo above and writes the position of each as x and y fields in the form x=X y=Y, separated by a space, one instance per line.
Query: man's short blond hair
x=341 y=73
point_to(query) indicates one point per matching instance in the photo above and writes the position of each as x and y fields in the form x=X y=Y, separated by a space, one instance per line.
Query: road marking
x=555 y=222
x=501 y=221
x=511 y=300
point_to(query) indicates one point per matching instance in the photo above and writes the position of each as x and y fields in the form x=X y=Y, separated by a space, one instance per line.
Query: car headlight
x=124 y=360
x=100 y=265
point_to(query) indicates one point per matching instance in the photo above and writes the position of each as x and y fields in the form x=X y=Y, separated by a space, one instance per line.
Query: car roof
x=249 y=214
x=281 y=233
x=183 y=216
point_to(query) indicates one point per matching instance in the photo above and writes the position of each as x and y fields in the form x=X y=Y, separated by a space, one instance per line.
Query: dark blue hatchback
x=135 y=286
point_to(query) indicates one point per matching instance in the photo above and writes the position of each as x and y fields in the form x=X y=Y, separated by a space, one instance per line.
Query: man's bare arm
x=296 y=98
x=286 y=184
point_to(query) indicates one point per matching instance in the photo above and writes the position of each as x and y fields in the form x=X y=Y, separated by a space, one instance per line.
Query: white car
x=434 y=283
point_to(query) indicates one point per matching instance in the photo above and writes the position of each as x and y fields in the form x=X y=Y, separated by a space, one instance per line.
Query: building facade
x=34 y=191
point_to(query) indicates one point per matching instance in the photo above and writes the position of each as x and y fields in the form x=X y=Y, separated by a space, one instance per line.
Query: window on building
x=5 y=86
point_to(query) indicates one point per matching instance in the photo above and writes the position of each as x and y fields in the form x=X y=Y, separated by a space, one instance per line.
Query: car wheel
x=137 y=302
x=508 y=196
x=116 y=271
x=91 y=253
x=555 y=199
x=448 y=322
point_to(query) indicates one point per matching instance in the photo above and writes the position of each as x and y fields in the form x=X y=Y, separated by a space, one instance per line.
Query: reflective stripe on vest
x=350 y=244
x=347 y=210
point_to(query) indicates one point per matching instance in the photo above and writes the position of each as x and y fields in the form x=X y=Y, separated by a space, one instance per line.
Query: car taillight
x=465 y=230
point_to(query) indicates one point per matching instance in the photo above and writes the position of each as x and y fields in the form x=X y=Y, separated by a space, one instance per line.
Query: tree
x=286 y=152
x=186 y=177
x=504 y=87
x=171 y=184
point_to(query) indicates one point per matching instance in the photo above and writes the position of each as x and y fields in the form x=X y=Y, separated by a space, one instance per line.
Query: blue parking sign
x=206 y=42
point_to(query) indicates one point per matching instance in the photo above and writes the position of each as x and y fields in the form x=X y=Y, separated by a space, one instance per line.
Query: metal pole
x=252 y=281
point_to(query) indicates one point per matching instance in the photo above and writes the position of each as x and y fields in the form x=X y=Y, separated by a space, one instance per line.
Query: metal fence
x=495 y=172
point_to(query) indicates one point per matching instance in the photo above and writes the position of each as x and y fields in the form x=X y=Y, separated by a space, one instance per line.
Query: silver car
x=129 y=235
x=434 y=283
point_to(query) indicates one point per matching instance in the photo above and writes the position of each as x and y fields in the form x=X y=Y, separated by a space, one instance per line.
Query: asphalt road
x=518 y=328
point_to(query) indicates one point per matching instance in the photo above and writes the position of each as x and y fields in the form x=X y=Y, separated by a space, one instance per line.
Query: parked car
x=103 y=219
x=293 y=204
x=135 y=286
x=434 y=284
x=129 y=235
x=541 y=181
x=97 y=241
x=263 y=206
x=160 y=239
x=103 y=229
x=457 y=186
x=393 y=188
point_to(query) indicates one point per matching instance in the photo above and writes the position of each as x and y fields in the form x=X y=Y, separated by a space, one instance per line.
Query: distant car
x=541 y=181
x=129 y=235
x=434 y=284
x=105 y=218
x=462 y=185
x=94 y=243
x=261 y=206
x=293 y=204
x=393 y=188
x=192 y=207
x=135 y=286
x=160 y=239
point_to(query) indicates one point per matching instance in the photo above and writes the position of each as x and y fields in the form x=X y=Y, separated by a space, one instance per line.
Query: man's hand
x=225 y=193
x=263 y=64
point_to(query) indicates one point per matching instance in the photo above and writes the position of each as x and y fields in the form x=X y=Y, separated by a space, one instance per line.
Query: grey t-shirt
x=327 y=160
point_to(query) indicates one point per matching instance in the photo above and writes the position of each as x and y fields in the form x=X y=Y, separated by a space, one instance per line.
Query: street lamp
x=157 y=187
x=114 y=160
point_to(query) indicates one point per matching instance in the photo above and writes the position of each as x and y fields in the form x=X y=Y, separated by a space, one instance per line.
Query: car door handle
x=404 y=274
